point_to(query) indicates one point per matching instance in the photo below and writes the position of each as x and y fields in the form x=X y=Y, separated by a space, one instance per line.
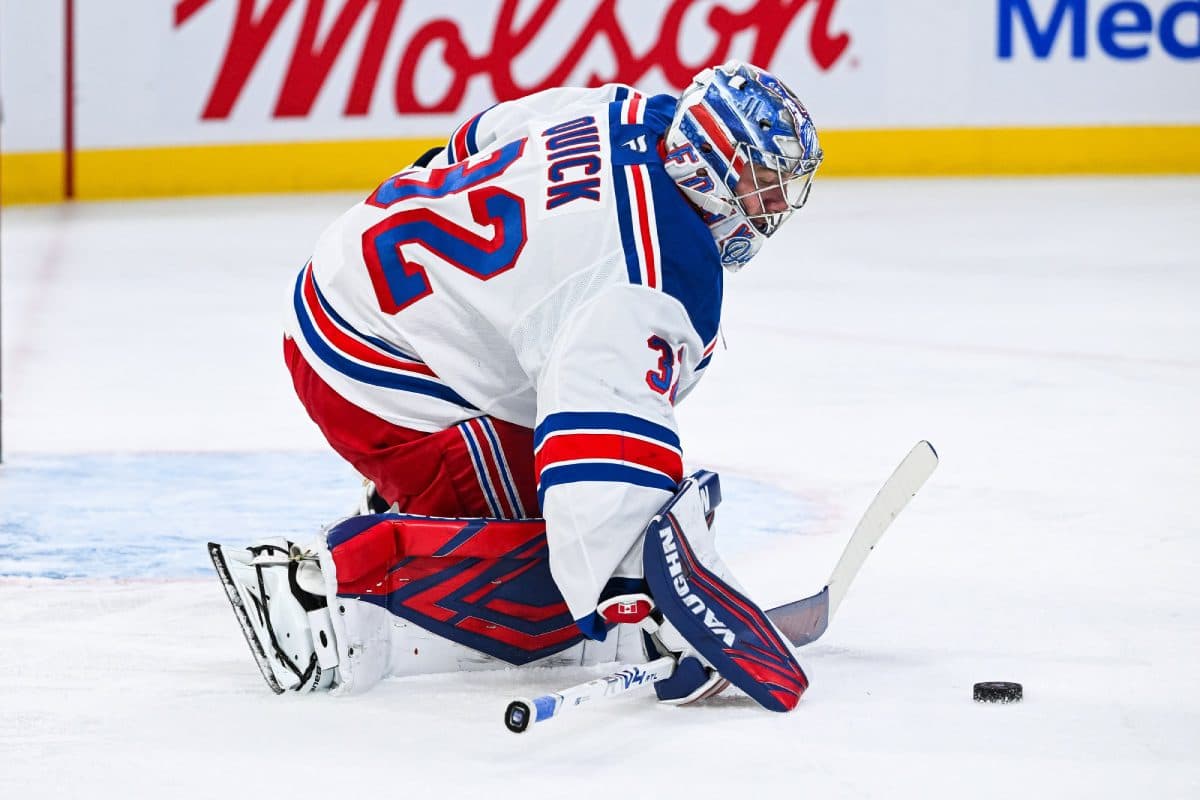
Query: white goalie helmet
x=743 y=149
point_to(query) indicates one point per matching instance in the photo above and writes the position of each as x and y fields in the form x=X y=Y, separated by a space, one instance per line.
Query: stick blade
x=802 y=621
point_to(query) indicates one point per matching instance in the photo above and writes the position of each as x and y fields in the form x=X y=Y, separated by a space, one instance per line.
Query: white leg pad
x=373 y=644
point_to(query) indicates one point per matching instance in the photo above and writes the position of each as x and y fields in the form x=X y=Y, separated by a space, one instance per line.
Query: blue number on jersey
x=661 y=380
x=398 y=281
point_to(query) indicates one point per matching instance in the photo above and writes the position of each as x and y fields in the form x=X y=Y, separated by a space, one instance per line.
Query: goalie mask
x=743 y=149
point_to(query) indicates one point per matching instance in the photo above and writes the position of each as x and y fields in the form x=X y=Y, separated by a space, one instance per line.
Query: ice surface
x=1043 y=334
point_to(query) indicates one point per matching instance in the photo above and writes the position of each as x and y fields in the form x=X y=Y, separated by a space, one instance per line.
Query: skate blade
x=243 y=617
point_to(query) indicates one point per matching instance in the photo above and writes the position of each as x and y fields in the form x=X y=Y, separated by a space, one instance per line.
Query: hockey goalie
x=497 y=338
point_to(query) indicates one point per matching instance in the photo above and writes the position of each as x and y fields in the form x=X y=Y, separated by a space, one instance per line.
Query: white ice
x=1043 y=334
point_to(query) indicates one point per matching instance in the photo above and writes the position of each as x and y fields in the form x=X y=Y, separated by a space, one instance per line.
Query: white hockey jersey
x=544 y=270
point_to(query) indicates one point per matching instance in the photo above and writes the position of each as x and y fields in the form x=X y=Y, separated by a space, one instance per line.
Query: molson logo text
x=323 y=36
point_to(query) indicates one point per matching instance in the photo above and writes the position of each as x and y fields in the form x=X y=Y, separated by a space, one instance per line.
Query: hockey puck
x=998 y=692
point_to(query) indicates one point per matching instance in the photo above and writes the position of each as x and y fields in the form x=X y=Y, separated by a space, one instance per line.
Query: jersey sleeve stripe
x=707 y=356
x=633 y=114
x=621 y=189
x=647 y=231
x=602 y=473
x=609 y=447
x=635 y=215
x=635 y=202
x=364 y=373
x=574 y=447
x=340 y=336
x=604 y=421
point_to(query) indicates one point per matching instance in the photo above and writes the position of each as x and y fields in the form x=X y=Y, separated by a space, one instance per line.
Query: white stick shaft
x=522 y=712
x=910 y=476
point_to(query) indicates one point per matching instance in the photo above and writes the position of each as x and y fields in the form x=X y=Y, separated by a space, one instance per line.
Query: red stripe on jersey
x=637 y=174
x=342 y=341
x=609 y=447
x=458 y=143
x=634 y=100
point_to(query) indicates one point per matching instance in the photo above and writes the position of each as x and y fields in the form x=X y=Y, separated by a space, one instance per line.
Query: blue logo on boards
x=1124 y=30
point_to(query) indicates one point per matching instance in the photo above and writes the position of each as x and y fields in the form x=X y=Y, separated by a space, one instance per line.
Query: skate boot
x=278 y=597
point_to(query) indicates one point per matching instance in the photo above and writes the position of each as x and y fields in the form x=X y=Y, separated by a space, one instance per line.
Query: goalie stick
x=801 y=621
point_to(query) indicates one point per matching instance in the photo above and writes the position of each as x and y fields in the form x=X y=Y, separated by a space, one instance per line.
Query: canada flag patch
x=625 y=609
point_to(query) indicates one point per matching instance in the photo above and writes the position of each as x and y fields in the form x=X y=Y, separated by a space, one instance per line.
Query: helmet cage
x=770 y=181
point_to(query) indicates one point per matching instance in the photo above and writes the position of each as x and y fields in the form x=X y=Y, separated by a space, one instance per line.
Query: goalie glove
x=694 y=678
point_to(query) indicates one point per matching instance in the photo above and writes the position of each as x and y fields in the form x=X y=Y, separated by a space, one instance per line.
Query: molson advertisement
x=152 y=97
x=427 y=67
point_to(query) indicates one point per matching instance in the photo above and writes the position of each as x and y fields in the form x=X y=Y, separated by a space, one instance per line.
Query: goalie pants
x=482 y=467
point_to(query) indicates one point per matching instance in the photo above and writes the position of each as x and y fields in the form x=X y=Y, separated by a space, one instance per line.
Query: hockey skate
x=278 y=597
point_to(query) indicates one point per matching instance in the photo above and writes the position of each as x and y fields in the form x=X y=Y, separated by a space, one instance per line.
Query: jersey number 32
x=398 y=281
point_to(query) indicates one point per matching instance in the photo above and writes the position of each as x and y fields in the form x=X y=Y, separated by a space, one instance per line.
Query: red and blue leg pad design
x=724 y=626
x=483 y=583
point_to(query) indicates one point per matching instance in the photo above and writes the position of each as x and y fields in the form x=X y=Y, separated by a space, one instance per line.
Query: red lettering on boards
x=766 y=22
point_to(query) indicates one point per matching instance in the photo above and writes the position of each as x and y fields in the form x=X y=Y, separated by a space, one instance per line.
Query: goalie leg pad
x=693 y=589
x=478 y=582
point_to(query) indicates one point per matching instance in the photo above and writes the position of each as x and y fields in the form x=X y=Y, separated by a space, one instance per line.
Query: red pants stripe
x=479 y=468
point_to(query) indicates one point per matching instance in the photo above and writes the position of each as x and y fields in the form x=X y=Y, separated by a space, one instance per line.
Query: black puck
x=998 y=692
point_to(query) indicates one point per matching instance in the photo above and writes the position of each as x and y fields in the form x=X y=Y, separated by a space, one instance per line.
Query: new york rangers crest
x=737 y=248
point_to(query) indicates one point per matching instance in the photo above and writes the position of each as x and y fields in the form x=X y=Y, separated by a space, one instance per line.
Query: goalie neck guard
x=743 y=149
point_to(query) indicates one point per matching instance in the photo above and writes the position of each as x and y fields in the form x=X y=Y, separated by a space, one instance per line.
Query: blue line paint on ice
x=131 y=516
x=149 y=515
